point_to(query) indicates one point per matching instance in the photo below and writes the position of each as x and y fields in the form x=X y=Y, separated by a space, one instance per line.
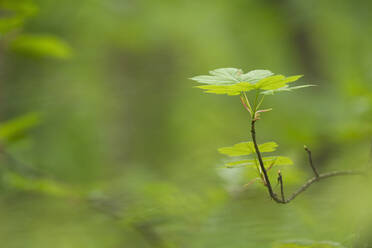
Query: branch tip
x=307 y=184
x=311 y=162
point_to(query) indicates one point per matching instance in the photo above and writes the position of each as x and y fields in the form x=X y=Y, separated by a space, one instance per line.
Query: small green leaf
x=268 y=147
x=275 y=82
x=279 y=160
x=268 y=161
x=243 y=163
x=240 y=149
x=247 y=148
x=230 y=90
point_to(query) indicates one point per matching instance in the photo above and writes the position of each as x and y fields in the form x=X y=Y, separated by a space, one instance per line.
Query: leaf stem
x=255 y=102
x=247 y=101
x=259 y=104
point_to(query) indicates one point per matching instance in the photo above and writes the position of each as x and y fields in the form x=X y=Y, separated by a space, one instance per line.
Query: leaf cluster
x=17 y=128
x=232 y=81
x=13 y=16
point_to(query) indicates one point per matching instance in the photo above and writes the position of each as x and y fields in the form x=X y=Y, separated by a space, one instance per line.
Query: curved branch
x=311 y=162
x=307 y=184
x=320 y=177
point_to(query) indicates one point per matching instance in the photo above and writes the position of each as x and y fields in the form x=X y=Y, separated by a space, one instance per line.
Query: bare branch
x=320 y=177
x=311 y=162
x=280 y=181
x=307 y=184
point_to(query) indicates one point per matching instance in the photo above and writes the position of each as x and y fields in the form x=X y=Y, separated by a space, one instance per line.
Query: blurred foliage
x=14 y=13
x=308 y=244
x=15 y=129
x=122 y=150
x=37 y=185
x=40 y=46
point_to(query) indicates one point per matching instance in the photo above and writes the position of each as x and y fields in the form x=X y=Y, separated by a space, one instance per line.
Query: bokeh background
x=105 y=142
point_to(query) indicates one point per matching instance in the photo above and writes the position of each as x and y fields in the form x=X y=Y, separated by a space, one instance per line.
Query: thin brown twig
x=306 y=185
x=309 y=182
x=280 y=181
x=311 y=162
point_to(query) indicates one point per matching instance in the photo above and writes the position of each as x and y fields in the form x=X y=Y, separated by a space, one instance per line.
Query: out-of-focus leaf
x=308 y=244
x=24 y=7
x=16 y=128
x=268 y=161
x=14 y=13
x=43 y=186
x=7 y=24
x=286 y=88
x=247 y=148
x=41 y=46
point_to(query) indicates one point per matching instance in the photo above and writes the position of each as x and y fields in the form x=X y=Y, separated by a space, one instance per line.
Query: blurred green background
x=105 y=143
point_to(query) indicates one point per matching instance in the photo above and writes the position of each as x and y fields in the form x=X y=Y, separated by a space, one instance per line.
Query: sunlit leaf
x=232 y=81
x=229 y=76
x=279 y=160
x=268 y=147
x=275 y=82
x=41 y=46
x=247 y=148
